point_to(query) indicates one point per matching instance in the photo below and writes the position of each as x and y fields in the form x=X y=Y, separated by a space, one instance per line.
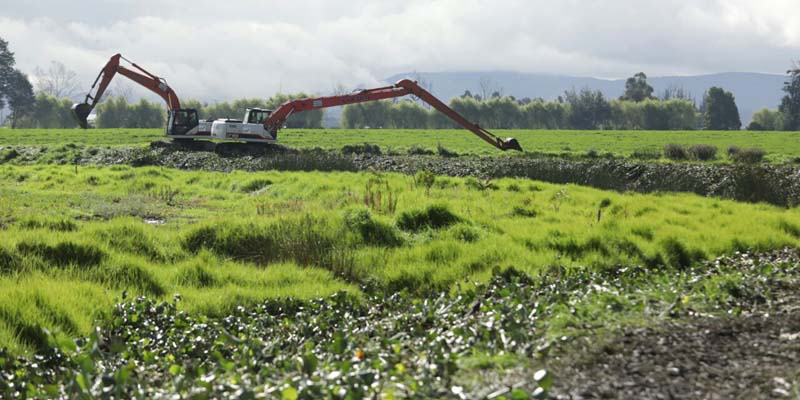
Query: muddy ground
x=694 y=356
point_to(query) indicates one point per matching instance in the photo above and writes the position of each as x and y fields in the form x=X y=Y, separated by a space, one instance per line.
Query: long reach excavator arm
x=153 y=83
x=404 y=87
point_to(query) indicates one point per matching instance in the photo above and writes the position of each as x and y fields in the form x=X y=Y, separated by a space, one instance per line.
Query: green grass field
x=780 y=146
x=71 y=243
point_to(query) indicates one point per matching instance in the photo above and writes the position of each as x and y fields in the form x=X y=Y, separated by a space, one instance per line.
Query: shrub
x=675 y=152
x=433 y=216
x=749 y=156
x=703 y=152
x=364 y=148
x=592 y=153
x=371 y=232
x=733 y=150
x=646 y=154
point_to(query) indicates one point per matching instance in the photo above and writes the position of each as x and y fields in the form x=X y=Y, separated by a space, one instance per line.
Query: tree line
x=637 y=108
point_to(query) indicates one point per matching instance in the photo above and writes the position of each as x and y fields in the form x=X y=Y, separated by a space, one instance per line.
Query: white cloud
x=221 y=50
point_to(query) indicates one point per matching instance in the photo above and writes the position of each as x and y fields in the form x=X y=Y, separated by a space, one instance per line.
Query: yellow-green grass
x=71 y=244
x=780 y=146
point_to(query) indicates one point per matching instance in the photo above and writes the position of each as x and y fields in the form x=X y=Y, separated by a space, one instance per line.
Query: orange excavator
x=182 y=122
x=260 y=125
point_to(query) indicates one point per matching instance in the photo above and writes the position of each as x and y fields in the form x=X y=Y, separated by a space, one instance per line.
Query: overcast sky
x=218 y=50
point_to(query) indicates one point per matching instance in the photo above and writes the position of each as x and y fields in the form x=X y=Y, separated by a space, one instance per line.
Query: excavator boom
x=139 y=75
x=404 y=87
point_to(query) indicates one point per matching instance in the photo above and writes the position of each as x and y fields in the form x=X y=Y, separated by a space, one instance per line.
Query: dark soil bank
x=775 y=184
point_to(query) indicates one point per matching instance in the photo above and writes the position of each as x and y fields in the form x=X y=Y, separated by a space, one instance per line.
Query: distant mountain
x=753 y=91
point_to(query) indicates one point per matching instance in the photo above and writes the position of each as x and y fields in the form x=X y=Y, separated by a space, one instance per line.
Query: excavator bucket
x=80 y=112
x=511 y=144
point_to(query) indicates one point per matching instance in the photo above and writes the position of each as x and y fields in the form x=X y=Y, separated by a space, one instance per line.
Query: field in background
x=73 y=242
x=780 y=146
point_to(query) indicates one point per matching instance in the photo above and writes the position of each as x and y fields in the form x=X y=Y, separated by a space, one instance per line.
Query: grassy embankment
x=71 y=243
x=780 y=146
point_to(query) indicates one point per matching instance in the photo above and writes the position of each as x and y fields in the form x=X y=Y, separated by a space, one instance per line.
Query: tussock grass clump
x=523 y=212
x=363 y=148
x=680 y=256
x=255 y=185
x=419 y=151
x=307 y=241
x=27 y=332
x=195 y=275
x=372 y=232
x=444 y=152
x=675 y=152
x=55 y=224
x=433 y=217
x=703 y=152
x=786 y=226
x=131 y=236
x=646 y=154
x=748 y=156
x=64 y=253
x=9 y=261
x=465 y=233
x=128 y=275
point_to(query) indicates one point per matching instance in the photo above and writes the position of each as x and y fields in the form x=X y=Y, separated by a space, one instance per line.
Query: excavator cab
x=256 y=115
x=181 y=121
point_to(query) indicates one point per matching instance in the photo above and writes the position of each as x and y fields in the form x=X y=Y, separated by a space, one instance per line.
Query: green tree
x=790 y=104
x=145 y=114
x=721 y=112
x=6 y=70
x=637 y=89
x=112 y=113
x=766 y=120
x=500 y=113
x=407 y=114
x=19 y=93
x=196 y=105
x=588 y=109
x=306 y=119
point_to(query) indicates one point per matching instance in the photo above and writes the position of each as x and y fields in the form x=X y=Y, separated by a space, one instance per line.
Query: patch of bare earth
x=751 y=356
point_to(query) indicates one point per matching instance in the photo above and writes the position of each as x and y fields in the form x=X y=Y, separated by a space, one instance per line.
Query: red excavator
x=181 y=122
x=261 y=125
